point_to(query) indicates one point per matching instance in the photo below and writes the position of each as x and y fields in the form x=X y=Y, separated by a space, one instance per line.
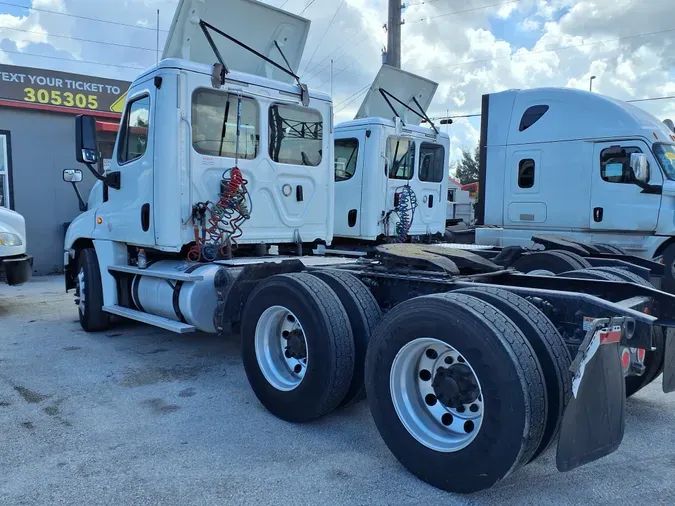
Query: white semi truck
x=15 y=264
x=214 y=215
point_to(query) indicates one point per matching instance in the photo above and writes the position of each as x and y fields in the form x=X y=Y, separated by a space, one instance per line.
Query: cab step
x=150 y=319
x=156 y=273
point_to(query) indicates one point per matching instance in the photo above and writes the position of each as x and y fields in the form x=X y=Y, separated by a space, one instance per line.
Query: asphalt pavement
x=137 y=415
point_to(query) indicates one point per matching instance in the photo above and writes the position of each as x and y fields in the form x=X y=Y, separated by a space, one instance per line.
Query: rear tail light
x=625 y=360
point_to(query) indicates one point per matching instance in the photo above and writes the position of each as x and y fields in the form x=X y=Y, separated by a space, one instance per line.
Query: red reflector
x=625 y=359
x=610 y=336
x=641 y=354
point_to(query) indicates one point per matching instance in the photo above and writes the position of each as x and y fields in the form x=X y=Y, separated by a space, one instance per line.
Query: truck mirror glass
x=639 y=167
x=72 y=175
x=85 y=139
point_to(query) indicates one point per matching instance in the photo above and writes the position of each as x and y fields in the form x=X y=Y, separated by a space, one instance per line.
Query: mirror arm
x=80 y=202
x=112 y=179
x=653 y=189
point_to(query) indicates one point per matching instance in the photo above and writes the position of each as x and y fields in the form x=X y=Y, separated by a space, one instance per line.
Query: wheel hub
x=455 y=386
x=296 y=346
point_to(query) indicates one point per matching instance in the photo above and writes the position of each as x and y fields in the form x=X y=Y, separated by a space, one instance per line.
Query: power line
x=73 y=60
x=553 y=50
x=651 y=99
x=422 y=3
x=324 y=67
x=77 y=39
x=351 y=98
x=340 y=72
x=335 y=51
x=462 y=12
x=325 y=31
x=307 y=6
x=37 y=9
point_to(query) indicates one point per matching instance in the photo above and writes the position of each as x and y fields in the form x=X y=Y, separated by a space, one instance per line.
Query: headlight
x=7 y=239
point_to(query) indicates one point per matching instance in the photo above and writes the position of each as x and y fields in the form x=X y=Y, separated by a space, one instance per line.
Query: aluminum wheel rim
x=541 y=272
x=80 y=291
x=278 y=334
x=436 y=426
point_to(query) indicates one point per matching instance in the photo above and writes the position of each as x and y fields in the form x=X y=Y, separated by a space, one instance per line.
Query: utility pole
x=394 y=34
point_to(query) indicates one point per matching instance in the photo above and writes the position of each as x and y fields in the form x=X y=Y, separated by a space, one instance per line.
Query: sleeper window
x=296 y=135
x=214 y=125
x=615 y=164
x=346 y=153
x=401 y=158
x=526 y=173
x=432 y=158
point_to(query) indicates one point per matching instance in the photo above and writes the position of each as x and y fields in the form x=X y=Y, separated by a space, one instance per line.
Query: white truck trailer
x=15 y=265
x=213 y=217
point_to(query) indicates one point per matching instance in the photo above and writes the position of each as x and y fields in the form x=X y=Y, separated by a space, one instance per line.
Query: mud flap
x=669 y=361
x=593 y=423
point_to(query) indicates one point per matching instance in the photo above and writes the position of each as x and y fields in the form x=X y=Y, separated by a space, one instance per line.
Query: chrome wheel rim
x=419 y=384
x=281 y=348
x=80 y=291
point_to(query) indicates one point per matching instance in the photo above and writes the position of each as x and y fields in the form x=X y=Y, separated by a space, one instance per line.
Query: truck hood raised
x=404 y=86
x=255 y=24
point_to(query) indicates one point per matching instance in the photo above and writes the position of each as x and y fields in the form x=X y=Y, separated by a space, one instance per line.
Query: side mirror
x=72 y=175
x=639 y=167
x=85 y=139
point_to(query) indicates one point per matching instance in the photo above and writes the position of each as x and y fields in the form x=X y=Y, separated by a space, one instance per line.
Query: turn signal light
x=99 y=220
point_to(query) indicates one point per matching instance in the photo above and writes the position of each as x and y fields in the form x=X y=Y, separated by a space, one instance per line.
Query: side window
x=346 y=153
x=214 y=125
x=134 y=135
x=432 y=157
x=296 y=135
x=526 y=173
x=531 y=116
x=401 y=157
x=615 y=164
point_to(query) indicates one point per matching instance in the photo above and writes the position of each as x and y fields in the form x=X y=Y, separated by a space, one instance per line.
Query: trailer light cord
x=405 y=211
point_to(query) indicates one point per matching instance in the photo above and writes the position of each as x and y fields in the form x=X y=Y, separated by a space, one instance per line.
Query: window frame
x=355 y=152
x=7 y=173
x=520 y=169
x=636 y=149
x=226 y=93
x=123 y=141
x=391 y=162
x=320 y=140
x=419 y=168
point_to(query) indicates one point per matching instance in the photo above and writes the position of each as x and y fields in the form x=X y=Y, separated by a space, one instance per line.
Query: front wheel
x=89 y=292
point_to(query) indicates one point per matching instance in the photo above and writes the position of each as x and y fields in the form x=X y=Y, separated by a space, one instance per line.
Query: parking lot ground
x=137 y=415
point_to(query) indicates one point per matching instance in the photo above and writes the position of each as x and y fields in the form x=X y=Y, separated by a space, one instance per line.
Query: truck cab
x=578 y=164
x=15 y=264
x=390 y=172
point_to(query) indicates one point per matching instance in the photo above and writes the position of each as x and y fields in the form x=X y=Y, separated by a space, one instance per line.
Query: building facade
x=37 y=141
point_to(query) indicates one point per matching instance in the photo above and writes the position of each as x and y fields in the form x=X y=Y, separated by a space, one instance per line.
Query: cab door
x=349 y=166
x=126 y=214
x=618 y=204
x=400 y=169
x=431 y=176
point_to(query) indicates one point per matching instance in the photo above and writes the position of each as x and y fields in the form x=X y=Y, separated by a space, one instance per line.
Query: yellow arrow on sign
x=118 y=106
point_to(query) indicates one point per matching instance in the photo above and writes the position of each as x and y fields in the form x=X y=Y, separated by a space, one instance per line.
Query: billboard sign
x=62 y=89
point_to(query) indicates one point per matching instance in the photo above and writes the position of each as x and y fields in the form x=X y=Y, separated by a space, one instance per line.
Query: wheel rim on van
x=436 y=395
x=281 y=348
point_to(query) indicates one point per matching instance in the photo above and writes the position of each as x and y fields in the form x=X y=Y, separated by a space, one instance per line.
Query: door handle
x=145 y=217
x=597 y=214
x=431 y=201
x=299 y=194
x=351 y=217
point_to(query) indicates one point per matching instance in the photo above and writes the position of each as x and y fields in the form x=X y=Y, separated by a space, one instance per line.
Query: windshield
x=665 y=154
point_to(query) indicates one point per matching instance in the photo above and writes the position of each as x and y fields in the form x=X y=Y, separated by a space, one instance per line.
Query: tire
x=89 y=293
x=550 y=349
x=511 y=387
x=610 y=248
x=297 y=305
x=591 y=274
x=654 y=361
x=364 y=315
x=626 y=275
x=549 y=262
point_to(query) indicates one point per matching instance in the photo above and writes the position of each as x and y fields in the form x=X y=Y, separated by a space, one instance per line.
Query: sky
x=469 y=48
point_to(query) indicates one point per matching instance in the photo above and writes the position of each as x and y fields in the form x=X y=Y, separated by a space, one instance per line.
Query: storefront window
x=4 y=172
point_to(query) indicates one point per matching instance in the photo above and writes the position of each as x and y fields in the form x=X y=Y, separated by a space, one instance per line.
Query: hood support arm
x=386 y=95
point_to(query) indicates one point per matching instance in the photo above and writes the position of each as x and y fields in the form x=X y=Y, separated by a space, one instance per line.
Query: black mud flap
x=593 y=423
x=669 y=362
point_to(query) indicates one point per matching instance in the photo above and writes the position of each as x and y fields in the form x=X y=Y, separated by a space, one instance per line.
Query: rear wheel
x=297 y=346
x=629 y=276
x=89 y=292
x=456 y=391
x=549 y=262
x=364 y=315
x=610 y=248
x=549 y=347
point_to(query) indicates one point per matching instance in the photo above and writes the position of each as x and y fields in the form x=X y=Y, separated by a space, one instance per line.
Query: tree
x=467 y=168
